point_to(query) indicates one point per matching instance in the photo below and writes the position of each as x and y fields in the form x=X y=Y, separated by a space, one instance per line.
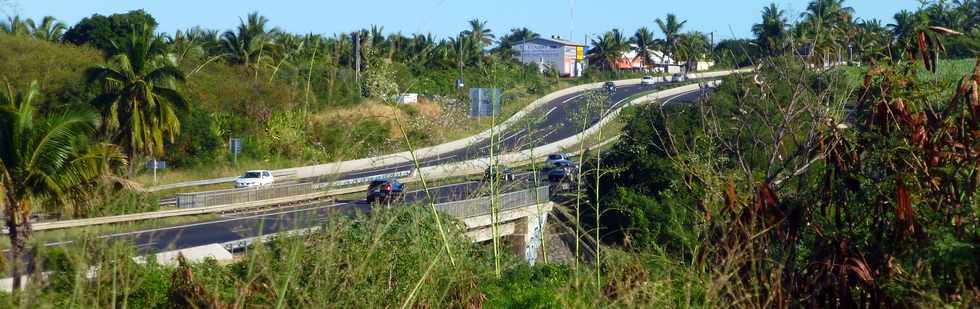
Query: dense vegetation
x=795 y=186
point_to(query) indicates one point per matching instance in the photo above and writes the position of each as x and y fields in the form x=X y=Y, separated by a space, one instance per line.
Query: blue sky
x=568 y=18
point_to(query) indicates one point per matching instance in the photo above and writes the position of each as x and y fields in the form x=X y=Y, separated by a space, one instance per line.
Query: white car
x=555 y=157
x=647 y=80
x=678 y=78
x=255 y=179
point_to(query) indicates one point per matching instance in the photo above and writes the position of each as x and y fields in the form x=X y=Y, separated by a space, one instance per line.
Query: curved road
x=554 y=121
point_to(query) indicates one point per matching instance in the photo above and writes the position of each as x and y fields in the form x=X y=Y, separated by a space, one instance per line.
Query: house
x=566 y=57
x=660 y=62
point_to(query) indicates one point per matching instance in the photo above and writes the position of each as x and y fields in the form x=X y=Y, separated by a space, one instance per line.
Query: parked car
x=610 y=86
x=647 y=80
x=385 y=190
x=499 y=172
x=678 y=77
x=255 y=179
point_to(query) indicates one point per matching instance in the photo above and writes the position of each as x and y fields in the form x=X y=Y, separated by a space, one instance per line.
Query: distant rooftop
x=558 y=40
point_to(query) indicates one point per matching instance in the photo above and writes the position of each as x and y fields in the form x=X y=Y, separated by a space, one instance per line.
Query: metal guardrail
x=481 y=206
x=459 y=209
x=234 y=196
x=231 y=196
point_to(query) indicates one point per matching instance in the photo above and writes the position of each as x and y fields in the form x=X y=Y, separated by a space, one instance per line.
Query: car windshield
x=648 y=77
x=252 y=175
x=376 y=183
x=554 y=157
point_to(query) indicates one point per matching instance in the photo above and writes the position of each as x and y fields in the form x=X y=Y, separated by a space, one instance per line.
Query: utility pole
x=357 y=58
x=459 y=84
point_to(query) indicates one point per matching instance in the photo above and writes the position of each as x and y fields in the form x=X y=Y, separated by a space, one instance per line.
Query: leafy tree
x=139 y=99
x=100 y=31
x=671 y=28
x=50 y=29
x=771 y=33
x=738 y=53
x=36 y=162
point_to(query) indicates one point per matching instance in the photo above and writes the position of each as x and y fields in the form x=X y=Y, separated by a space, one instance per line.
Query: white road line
x=549 y=112
x=573 y=98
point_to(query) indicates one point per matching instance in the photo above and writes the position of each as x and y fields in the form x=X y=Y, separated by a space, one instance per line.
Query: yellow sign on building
x=579 y=53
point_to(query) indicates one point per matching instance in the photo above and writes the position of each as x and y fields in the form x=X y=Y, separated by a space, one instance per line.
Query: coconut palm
x=644 y=41
x=771 y=32
x=50 y=29
x=670 y=28
x=828 y=26
x=516 y=36
x=608 y=48
x=139 y=98
x=246 y=44
x=872 y=37
x=691 y=48
x=36 y=162
x=907 y=26
x=479 y=33
x=14 y=25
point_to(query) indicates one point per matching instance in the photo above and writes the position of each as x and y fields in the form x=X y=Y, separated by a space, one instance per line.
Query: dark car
x=560 y=170
x=610 y=86
x=385 y=190
x=499 y=172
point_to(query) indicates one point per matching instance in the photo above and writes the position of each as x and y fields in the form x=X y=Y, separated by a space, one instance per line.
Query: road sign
x=484 y=102
x=235 y=145
x=156 y=165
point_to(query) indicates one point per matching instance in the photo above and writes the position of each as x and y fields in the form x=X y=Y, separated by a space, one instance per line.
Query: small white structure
x=408 y=98
x=566 y=57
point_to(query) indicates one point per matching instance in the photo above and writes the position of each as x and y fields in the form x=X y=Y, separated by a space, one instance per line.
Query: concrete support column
x=528 y=234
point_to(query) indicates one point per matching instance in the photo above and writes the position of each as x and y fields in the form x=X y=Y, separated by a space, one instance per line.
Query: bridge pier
x=524 y=228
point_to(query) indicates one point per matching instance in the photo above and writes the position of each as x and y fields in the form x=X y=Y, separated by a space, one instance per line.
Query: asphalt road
x=554 y=121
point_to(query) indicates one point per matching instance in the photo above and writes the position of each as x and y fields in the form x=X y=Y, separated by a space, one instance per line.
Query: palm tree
x=14 y=26
x=245 y=45
x=36 y=164
x=907 y=26
x=771 y=32
x=670 y=28
x=139 y=98
x=692 y=47
x=643 y=39
x=608 y=48
x=50 y=29
x=479 y=33
x=828 y=25
x=872 y=38
x=516 y=36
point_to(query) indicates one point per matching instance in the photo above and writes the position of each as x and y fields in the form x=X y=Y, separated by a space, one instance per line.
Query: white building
x=566 y=57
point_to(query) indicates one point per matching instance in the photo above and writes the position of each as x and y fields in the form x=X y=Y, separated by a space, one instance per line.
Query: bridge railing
x=481 y=206
x=233 y=196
